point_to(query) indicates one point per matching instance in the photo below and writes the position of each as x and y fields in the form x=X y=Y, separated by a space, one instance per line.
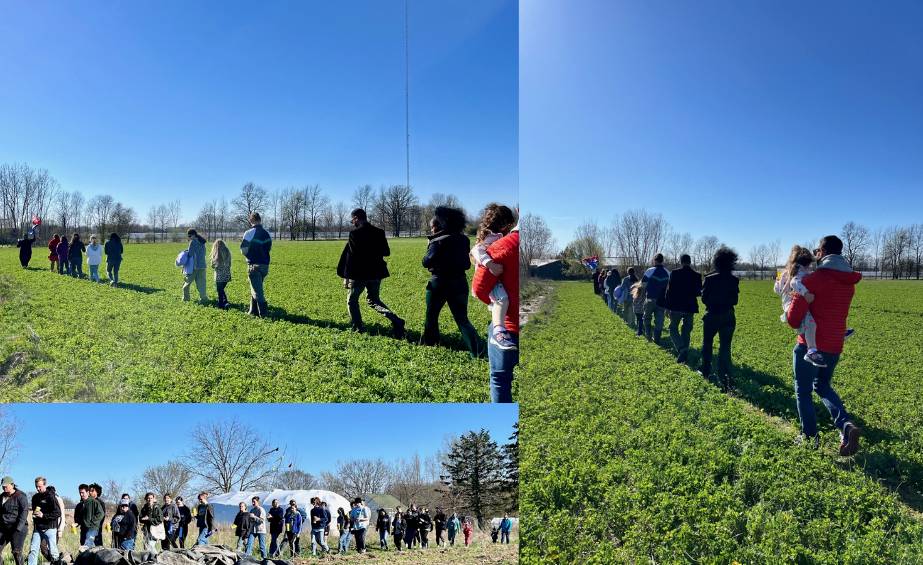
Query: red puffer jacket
x=506 y=252
x=833 y=292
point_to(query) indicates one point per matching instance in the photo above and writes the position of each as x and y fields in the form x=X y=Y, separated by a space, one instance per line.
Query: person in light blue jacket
x=197 y=251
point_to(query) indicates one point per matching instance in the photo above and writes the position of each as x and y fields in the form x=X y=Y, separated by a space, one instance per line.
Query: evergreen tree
x=511 y=470
x=475 y=466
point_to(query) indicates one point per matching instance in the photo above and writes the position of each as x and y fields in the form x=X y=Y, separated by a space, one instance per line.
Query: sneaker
x=849 y=332
x=502 y=339
x=849 y=442
x=809 y=443
x=815 y=358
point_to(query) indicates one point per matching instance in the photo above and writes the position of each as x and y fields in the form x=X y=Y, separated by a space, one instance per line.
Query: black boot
x=263 y=309
x=254 y=311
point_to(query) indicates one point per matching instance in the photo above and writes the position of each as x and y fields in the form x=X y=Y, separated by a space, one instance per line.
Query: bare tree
x=174 y=209
x=76 y=202
x=229 y=455
x=122 y=218
x=295 y=479
x=24 y=191
x=314 y=204
x=173 y=478
x=705 y=248
x=896 y=248
x=252 y=198
x=639 y=234
x=397 y=203
x=99 y=212
x=856 y=239
x=357 y=477
x=775 y=249
x=341 y=212
x=759 y=257
x=916 y=247
x=9 y=430
x=112 y=490
x=152 y=220
x=363 y=197
x=536 y=241
x=292 y=209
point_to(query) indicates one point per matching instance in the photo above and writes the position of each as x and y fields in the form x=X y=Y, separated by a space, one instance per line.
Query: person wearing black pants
x=681 y=300
x=447 y=258
x=719 y=295
x=439 y=524
x=426 y=524
x=25 y=250
x=14 y=525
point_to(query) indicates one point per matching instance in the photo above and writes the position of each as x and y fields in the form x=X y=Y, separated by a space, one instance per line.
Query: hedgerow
x=78 y=340
x=628 y=457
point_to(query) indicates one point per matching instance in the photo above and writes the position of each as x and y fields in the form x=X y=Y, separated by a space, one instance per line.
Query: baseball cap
x=7 y=480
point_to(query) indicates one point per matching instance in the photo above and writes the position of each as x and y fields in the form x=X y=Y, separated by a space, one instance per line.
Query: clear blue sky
x=747 y=120
x=154 y=101
x=74 y=443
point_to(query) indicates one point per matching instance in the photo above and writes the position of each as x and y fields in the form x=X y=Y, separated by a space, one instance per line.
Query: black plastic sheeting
x=199 y=555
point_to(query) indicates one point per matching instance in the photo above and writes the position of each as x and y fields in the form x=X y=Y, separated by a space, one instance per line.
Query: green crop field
x=629 y=457
x=67 y=339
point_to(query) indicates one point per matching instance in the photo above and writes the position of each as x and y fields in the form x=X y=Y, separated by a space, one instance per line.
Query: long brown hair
x=497 y=218
x=220 y=253
x=799 y=256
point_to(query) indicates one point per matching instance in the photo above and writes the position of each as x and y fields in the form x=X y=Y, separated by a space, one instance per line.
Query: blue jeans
x=262 y=538
x=809 y=378
x=127 y=544
x=653 y=320
x=90 y=540
x=502 y=362
x=51 y=536
x=344 y=541
x=203 y=537
x=94 y=273
x=112 y=271
x=317 y=539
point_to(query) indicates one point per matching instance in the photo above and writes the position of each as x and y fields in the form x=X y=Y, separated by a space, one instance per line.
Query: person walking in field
x=255 y=246
x=205 y=519
x=447 y=258
x=497 y=222
x=719 y=295
x=25 y=249
x=293 y=527
x=75 y=251
x=504 y=255
x=362 y=267
x=196 y=251
x=439 y=525
x=83 y=493
x=124 y=527
x=113 y=250
x=276 y=521
x=638 y=298
x=63 y=252
x=466 y=530
x=93 y=514
x=452 y=527
x=242 y=526
x=185 y=520
x=412 y=526
x=53 y=252
x=625 y=298
x=655 y=281
x=151 y=521
x=681 y=300
x=426 y=525
x=45 y=515
x=171 y=518
x=383 y=527
x=610 y=284
x=830 y=291
x=344 y=526
x=94 y=257
x=506 y=525
x=360 y=516
x=398 y=526
x=14 y=519
x=320 y=518
x=258 y=519
x=221 y=264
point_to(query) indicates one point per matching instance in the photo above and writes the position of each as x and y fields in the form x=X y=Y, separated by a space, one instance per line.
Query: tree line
x=472 y=473
x=304 y=213
x=635 y=236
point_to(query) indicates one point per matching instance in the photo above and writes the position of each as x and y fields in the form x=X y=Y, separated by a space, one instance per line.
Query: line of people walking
x=815 y=303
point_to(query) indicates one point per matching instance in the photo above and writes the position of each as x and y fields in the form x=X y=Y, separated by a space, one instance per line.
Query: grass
x=63 y=339
x=628 y=457
x=481 y=550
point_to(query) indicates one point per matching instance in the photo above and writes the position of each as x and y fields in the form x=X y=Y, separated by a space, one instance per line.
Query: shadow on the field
x=139 y=288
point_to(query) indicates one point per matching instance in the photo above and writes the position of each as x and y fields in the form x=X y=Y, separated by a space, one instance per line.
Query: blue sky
x=74 y=443
x=155 y=101
x=747 y=120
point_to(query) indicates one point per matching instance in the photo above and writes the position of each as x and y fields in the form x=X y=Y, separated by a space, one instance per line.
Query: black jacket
x=448 y=255
x=719 y=293
x=426 y=523
x=75 y=251
x=682 y=291
x=363 y=256
x=398 y=525
x=185 y=515
x=383 y=524
x=242 y=523
x=276 y=520
x=47 y=502
x=127 y=526
x=439 y=520
x=205 y=516
x=14 y=512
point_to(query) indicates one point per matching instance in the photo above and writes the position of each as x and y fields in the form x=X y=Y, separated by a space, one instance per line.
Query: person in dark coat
x=439 y=525
x=64 y=267
x=383 y=527
x=276 y=525
x=124 y=526
x=25 y=250
x=75 y=251
x=185 y=520
x=242 y=526
x=411 y=526
x=681 y=300
x=45 y=516
x=362 y=266
x=171 y=520
x=113 y=250
x=398 y=526
x=256 y=246
x=14 y=525
x=447 y=258
x=719 y=295
x=426 y=524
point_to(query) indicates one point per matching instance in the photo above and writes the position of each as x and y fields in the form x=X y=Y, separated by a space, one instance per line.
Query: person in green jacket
x=94 y=513
x=452 y=526
x=151 y=516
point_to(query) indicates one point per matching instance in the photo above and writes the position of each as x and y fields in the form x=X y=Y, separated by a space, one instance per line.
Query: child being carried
x=496 y=223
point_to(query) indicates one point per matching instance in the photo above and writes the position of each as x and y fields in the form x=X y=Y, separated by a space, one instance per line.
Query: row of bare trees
x=893 y=251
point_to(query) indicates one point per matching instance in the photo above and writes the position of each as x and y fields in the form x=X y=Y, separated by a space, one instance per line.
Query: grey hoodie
x=834 y=262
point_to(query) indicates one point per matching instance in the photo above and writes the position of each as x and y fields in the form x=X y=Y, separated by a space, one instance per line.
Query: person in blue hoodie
x=256 y=246
x=655 y=281
x=292 y=527
x=197 y=252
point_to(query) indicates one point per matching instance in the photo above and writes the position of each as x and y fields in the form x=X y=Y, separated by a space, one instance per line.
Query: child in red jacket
x=497 y=221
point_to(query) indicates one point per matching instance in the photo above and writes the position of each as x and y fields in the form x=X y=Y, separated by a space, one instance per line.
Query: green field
x=481 y=550
x=66 y=339
x=628 y=457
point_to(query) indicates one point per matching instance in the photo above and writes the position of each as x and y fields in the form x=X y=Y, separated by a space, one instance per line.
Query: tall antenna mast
x=407 y=85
